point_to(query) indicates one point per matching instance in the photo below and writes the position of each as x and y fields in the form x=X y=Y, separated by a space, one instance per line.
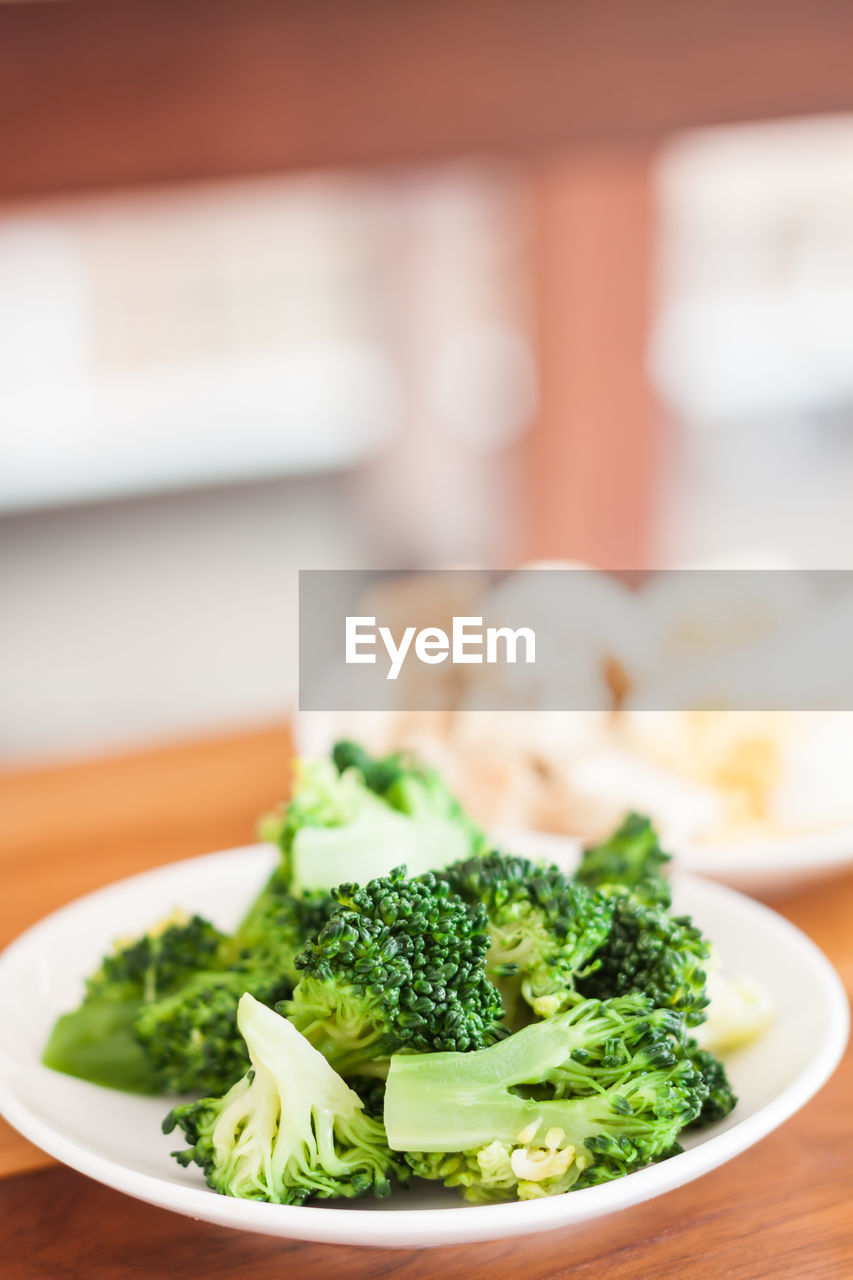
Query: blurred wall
x=203 y=390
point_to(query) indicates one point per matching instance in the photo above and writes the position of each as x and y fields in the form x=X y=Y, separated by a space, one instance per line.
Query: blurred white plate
x=116 y=1139
x=772 y=865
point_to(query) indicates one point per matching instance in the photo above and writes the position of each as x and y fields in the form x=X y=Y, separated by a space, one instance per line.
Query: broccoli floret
x=98 y=1040
x=338 y=827
x=409 y=787
x=721 y=1097
x=399 y=965
x=277 y=927
x=379 y=772
x=371 y=1090
x=544 y=929
x=654 y=953
x=190 y=1037
x=161 y=1012
x=159 y=960
x=262 y=912
x=496 y=1122
x=631 y=858
x=289 y=1130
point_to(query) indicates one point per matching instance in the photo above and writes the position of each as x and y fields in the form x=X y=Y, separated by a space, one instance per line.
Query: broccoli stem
x=97 y=1042
x=445 y=1102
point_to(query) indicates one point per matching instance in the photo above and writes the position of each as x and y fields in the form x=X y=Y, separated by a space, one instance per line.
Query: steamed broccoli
x=98 y=1040
x=398 y=965
x=357 y=818
x=648 y=950
x=721 y=1097
x=190 y=1036
x=161 y=1012
x=408 y=786
x=289 y=1130
x=277 y=927
x=653 y=953
x=570 y=1101
x=631 y=858
x=159 y=960
x=544 y=929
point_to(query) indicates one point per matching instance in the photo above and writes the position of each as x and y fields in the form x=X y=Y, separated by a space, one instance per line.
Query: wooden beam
x=592 y=452
x=102 y=92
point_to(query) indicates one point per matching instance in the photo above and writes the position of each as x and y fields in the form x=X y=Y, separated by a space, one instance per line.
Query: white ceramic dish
x=116 y=1139
x=771 y=866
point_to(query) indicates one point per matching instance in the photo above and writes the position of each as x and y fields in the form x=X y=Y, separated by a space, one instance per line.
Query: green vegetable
x=190 y=1037
x=277 y=927
x=289 y=1130
x=653 y=953
x=158 y=961
x=98 y=1041
x=721 y=1097
x=409 y=787
x=408 y=977
x=544 y=928
x=570 y=1101
x=399 y=964
x=160 y=1015
x=357 y=818
x=631 y=858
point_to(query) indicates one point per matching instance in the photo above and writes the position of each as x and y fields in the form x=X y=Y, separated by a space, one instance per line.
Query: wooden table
x=782 y=1211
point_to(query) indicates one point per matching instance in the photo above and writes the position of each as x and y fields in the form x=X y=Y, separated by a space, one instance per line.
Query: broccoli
x=259 y=919
x=544 y=929
x=631 y=858
x=277 y=927
x=400 y=964
x=161 y=1012
x=371 y=1090
x=380 y=773
x=159 y=960
x=408 y=786
x=98 y=1040
x=648 y=949
x=569 y=1101
x=289 y=1130
x=190 y=1036
x=360 y=821
x=654 y=953
x=721 y=1097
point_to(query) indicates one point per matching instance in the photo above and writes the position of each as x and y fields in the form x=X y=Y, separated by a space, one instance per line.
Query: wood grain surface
x=94 y=93
x=782 y=1211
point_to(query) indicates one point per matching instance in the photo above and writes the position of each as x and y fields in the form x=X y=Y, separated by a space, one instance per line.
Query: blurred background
x=283 y=297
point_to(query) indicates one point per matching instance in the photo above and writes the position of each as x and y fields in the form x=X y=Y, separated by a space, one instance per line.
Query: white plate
x=771 y=866
x=116 y=1137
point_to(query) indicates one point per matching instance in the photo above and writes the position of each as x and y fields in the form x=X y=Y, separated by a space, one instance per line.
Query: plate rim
x=457 y=1224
